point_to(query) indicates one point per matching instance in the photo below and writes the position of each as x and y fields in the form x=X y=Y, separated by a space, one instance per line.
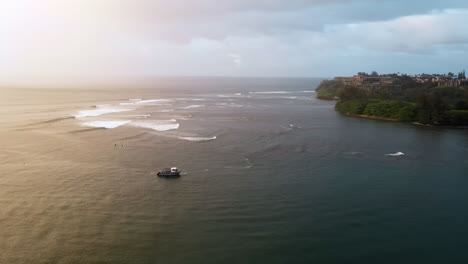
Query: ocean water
x=271 y=175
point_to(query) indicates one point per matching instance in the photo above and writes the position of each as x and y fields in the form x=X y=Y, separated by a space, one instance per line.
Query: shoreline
x=375 y=117
x=416 y=123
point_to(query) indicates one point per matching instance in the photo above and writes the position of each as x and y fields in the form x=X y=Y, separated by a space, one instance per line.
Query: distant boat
x=169 y=172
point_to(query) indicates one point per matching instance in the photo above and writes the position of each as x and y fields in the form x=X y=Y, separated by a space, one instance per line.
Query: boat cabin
x=169 y=172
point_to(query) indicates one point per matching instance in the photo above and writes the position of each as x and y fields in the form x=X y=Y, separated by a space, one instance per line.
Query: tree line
x=415 y=102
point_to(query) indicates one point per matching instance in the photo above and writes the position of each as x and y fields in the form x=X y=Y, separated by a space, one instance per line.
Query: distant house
x=453 y=83
x=352 y=81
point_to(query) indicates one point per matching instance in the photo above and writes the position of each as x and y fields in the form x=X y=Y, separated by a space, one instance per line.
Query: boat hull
x=168 y=174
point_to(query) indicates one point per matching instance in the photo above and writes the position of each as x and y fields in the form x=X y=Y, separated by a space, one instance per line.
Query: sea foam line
x=271 y=92
x=99 y=111
x=192 y=106
x=160 y=125
x=106 y=124
x=152 y=101
x=395 y=154
x=197 y=138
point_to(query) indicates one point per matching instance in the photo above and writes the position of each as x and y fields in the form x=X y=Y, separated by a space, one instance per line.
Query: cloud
x=236 y=59
x=412 y=34
x=207 y=37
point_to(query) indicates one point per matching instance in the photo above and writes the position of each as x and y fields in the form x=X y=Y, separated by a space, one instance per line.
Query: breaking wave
x=281 y=92
x=152 y=101
x=192 y=106
x=197 y=138
x=395 y=154
x=271 y=92
x=106 y=124
x=99 y=111
x=229 y=95
x=160 y=125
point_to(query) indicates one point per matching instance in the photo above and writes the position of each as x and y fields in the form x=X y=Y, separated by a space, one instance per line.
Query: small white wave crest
x=192 y=106
x=152 y=101
x=395 y=154
x=197 y=138
x=99 y=111
x=158 y=125
x=106 y=124
x=271 y=92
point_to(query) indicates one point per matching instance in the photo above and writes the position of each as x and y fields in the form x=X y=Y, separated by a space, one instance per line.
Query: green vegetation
x=327 y=90
x=401 y=111
x=457 y=117
x=411 y=101
x=351 y=107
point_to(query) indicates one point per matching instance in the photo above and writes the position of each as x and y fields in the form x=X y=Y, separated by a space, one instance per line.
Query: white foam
x=127 y=103
x=395 y=154
x=229 y=95
x=271 y=92
x=152 y=101
x=158 y=125
x=106 y=124
x=281 y=92
x=352 y=153
x=192 y=106
x=99 y=111
x=198 y=138
x=166 y=111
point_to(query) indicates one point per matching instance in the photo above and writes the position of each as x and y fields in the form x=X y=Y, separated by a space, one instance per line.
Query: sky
x=67 y=39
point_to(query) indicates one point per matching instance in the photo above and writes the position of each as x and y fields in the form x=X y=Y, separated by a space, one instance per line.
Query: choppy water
x=273 y=176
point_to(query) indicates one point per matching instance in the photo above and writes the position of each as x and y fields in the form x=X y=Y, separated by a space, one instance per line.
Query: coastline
x=375 y=117
x=417 y=123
